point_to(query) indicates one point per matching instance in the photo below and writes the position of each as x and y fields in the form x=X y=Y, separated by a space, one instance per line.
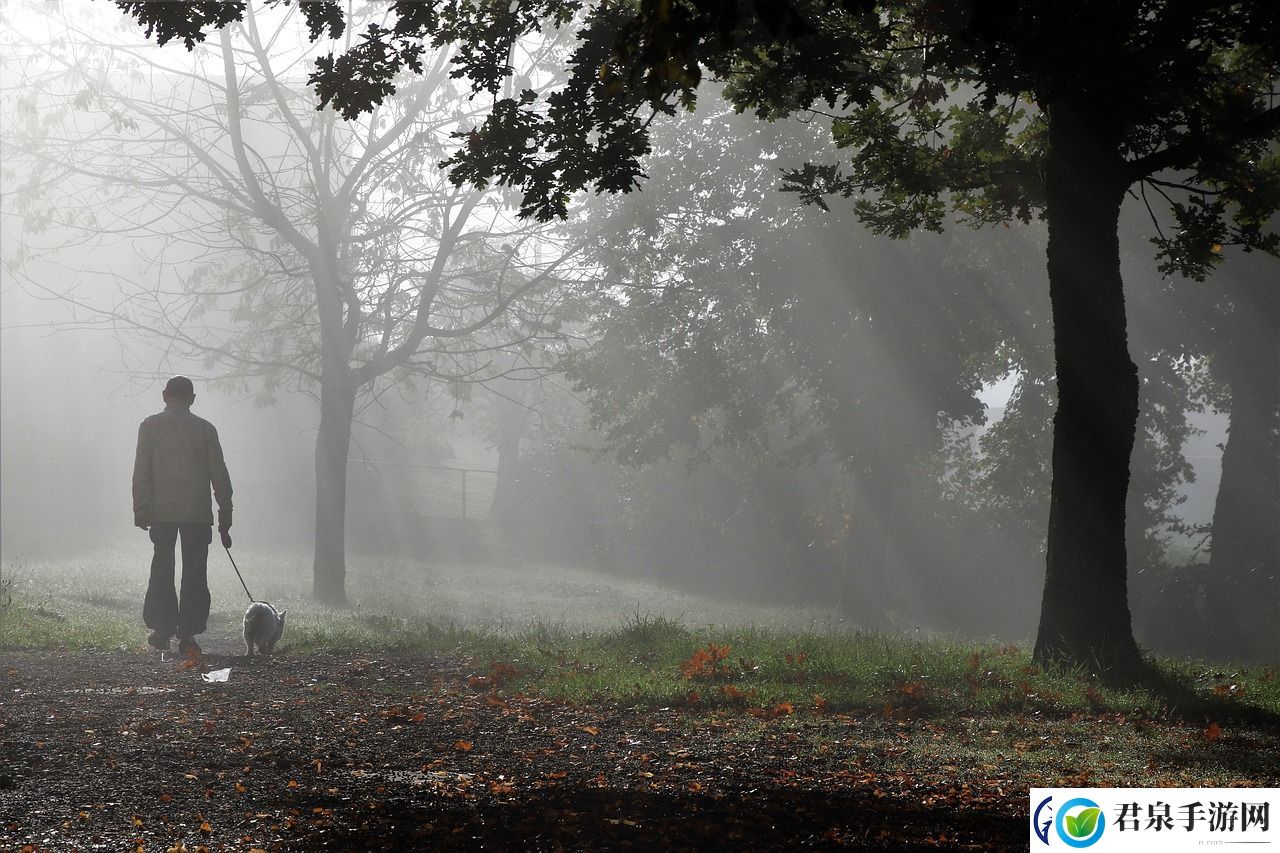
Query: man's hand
x=225 y=533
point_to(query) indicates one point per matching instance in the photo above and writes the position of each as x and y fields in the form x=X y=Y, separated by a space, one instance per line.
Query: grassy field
x=586 y=637
x=95 y=600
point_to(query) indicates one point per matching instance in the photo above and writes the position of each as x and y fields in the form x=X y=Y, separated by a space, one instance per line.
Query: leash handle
x=237 y=568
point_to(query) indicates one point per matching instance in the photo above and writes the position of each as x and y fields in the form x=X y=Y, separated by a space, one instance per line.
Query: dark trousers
x=163 y=610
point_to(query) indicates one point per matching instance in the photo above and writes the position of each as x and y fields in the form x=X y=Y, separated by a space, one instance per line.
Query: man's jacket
x=178 y=459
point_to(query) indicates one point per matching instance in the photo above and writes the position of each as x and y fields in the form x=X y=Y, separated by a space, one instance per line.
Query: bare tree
x=284 y=247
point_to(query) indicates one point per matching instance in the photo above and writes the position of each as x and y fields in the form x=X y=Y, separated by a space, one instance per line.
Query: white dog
x=263 y=627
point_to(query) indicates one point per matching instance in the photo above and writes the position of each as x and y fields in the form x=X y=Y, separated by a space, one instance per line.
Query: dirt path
x=116 y=751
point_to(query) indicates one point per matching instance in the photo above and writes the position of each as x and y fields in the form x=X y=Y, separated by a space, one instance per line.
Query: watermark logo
x=1080 y=822
x=1153 y=820
x=1042 y=820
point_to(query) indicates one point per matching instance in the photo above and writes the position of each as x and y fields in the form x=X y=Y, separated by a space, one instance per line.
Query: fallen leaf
x=463 y=745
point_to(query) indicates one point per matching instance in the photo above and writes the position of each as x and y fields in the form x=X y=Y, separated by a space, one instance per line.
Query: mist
x=874 y=445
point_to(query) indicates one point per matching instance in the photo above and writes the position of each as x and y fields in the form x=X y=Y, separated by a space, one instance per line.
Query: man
x=178 y=459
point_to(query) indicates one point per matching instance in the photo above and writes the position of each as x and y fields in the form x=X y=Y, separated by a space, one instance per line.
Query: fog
x=761 y=404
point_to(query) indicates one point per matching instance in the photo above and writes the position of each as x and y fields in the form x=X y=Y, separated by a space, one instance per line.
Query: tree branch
x=1185 y=155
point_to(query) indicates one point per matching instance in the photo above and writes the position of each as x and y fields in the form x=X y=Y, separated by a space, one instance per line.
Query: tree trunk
x=333 y=444
x=1084 y=616
x=1243 y=594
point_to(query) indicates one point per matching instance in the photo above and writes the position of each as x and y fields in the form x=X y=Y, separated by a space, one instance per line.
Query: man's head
x=179 y=390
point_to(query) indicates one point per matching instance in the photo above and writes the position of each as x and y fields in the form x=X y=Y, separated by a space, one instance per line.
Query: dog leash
x=237 y=568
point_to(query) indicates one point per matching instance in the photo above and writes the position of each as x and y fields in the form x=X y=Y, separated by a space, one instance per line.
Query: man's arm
x=142 y=492
x=220 y=478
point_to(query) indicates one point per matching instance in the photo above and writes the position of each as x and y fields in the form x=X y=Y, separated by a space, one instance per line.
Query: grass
x=584 y=637
x=397 y=601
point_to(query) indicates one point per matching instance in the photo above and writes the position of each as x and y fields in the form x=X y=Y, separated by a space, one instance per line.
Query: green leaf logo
x=1081 y=825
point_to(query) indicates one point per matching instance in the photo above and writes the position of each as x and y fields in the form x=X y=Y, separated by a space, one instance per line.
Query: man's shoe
x=188 y=647
x=158 y=641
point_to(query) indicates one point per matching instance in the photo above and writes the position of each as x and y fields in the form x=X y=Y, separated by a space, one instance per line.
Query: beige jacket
x=178 y=458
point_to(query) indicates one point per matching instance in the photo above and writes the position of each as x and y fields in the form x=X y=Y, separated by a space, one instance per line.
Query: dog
x=263 y=627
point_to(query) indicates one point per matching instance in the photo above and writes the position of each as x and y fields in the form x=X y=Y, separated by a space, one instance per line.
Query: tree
x=728 y=316
x=1244 y=557
x=999 y=111
x=292 y=249
x=736 y=328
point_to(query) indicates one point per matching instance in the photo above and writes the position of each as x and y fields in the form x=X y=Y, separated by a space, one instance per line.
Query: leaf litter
x=413 y=751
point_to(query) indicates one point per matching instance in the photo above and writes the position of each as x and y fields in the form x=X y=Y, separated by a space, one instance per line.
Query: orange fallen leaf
x=463 y=745
x=1213 y=733
x=912 y=689
x=591 y=730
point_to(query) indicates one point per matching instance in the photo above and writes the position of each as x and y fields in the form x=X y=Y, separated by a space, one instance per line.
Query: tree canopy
x=931 y=97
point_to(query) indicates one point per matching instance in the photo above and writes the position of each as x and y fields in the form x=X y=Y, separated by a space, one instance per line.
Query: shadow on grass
x=1184 y=702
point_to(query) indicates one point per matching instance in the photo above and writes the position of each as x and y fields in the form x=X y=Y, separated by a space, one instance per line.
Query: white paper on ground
x=217 y=675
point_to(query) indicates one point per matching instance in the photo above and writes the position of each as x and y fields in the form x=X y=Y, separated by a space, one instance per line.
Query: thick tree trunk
x=1084 y=616
x=1243 y=595
x=333 y=444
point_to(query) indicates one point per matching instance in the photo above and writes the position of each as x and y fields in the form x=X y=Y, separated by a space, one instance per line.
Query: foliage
x=707 y=664
x=933 y=99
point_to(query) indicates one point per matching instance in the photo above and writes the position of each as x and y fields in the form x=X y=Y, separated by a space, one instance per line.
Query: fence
x=398 y=489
